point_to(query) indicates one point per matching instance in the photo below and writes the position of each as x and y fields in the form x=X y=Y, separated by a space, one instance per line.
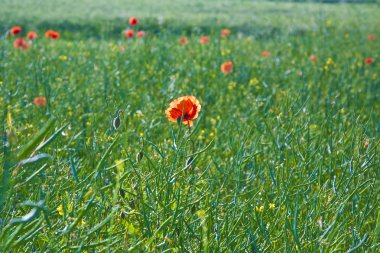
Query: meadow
x=284 y=155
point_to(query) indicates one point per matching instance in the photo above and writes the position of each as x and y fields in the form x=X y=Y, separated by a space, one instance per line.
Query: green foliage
x=284 y=156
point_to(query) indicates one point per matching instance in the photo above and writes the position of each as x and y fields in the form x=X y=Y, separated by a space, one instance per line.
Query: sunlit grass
x=284 y=155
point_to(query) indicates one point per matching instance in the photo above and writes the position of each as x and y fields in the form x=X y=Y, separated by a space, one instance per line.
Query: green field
x=284 y=156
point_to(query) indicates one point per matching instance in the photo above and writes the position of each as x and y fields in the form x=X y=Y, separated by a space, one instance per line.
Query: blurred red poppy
x=133 y=21
x=40 y=101
x=265 y=54
x=140 y=34
x=129 y=33
x=15 y=30
x=372 y=36
x=204 y=39
x=369 y=61
x=50 y=34
x=225 y=33
x=184 y=108
x=183 y=40
x=21 y=43
x=313 y=58
x=227 y=67
x=31 y=35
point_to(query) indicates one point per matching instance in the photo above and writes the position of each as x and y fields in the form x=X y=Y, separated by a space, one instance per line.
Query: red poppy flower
x=40 y=101
x=204 y=39
x=227 y=67
x=21 y=43
x=183 y=40
x=369 y=61
x=372 y=36
x=52 y=35
x=140 y=34
x=265 y=54
x=15 y=30
x=225 y=33
x=313 y=58
x=186 y=108
x=129 y=33
x=18 y=42
x=31 y=35
x=133 y=21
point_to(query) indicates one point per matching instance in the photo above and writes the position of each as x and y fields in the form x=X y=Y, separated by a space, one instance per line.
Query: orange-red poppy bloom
x=372 y=36
x=204 y=39
x=225 y=33
x=53 y=35
x=265 y=54
x=15 y=30
x=31 y=35
x=21 y=43
x=18 y=42
x=129 y=33
x=140 y=34
x=184 y=108
x=40 y=101
x=227 y=67
x=369 y=61
x=183 y=40
x=133 y=21
x=313 y=58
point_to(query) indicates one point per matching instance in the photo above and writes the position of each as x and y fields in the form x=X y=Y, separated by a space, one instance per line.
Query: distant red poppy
x=204 y=39
x=183 y=40
x=185 y=108
x=225 y=33
x=15 y=30
x=227 y=67
x=372 y=36
x=18 y=42
x=31 y=35
x=21 y=43
x=265 y=54
x=40 y=101
x=140 y=34
x=369 y=61
x=129 y=33
x=53 y=35
x=133 y=21
x=313 y=58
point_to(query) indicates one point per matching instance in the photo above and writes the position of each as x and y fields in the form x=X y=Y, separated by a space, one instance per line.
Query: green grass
x=280 y=130
x=96 y=19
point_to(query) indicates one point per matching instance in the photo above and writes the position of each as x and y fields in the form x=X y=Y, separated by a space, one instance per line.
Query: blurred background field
x=285 y=154
x=99 y=18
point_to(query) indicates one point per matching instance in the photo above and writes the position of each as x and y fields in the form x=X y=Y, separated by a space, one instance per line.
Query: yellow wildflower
x=329 y=61
x=60 y=209
x=139 y=114
x=253 y=82
x=63 y=57
x=232 y=86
